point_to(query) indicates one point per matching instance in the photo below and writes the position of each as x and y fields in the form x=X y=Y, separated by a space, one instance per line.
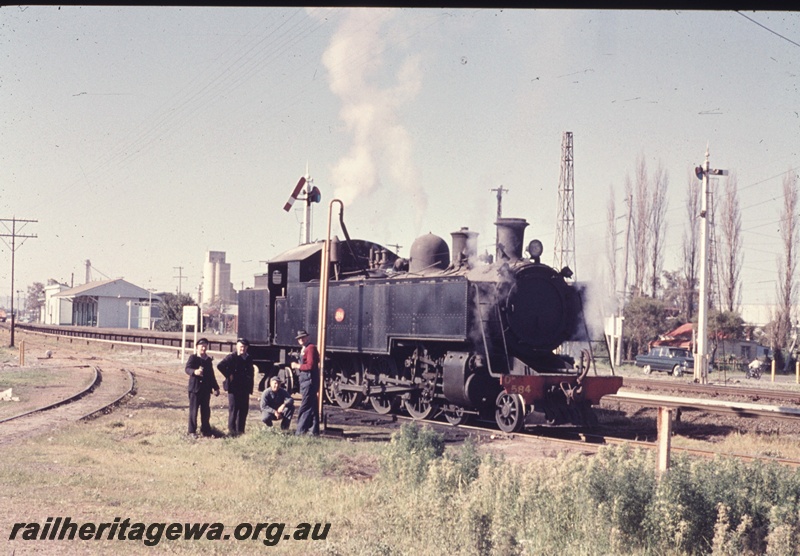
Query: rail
x=741 y=409
x=128 y=337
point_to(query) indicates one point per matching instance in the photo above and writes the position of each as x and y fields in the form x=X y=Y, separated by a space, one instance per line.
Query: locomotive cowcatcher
x=471 y=336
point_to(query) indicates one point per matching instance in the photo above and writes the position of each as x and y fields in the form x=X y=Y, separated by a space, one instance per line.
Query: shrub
x=410 y=452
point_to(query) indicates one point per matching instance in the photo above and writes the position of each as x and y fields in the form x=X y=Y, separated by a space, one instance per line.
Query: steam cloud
x=381 y=144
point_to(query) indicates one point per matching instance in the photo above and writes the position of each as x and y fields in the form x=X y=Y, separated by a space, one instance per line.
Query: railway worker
x=200 y=368
x=237 y=368
x=276 y=403
x=308 y=372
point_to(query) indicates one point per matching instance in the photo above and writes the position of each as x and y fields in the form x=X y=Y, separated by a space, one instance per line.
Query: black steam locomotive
x=471 y=336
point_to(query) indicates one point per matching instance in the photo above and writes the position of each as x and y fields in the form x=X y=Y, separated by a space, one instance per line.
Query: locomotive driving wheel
x=455 y=415
x=419 y=407
x=383 y=404
x=382 y=368
x=509 y=413
x=343 y=374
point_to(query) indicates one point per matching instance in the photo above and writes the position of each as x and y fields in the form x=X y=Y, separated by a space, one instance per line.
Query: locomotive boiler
x=460 y=336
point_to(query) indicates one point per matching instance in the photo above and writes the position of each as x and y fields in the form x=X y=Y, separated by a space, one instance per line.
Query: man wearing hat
x=276 y=403
x=202 y=381
x=308 y=373
x=237 y=368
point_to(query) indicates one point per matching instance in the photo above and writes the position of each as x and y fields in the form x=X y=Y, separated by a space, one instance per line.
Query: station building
x=111 y=303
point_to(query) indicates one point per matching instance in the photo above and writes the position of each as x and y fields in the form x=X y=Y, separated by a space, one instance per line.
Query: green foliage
x=34 y=298
x=645 y=319
x=611 y=503
x=726 y=324
x=410 y=452
x=622 y=485
x=171 y=307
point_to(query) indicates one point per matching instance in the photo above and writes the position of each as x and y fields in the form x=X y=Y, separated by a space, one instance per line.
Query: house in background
x=683 y=336
x=111 y=303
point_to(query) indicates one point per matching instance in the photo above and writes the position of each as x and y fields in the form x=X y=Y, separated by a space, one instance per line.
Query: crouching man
x=276 y=403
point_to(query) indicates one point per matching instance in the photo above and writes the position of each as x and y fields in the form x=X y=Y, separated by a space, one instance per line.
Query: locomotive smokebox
x=465 y=245
x=510 y=234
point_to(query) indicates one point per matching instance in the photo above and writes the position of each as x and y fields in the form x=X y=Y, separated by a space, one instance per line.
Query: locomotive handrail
x=483 y=329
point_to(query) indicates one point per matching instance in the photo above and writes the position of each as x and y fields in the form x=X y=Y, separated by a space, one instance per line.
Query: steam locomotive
x=467 y=336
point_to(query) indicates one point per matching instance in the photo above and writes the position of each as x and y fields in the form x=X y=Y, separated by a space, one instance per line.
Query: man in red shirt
x=308 y=376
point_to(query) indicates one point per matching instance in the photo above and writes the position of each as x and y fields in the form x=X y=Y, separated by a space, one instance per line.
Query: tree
x=658 y=226
x=674 y=294
x=787 y=263
x=729 y=251
x=691 y=266
x=35 y=299
x=724 y=325
x=641 y=221
x=611 y=247
x=171 y=307
x=645 y=319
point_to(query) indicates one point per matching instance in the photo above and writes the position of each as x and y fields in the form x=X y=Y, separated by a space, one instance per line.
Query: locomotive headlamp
x=535 y=248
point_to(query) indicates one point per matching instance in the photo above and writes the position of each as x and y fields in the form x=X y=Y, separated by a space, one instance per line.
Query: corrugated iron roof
x=105 y=288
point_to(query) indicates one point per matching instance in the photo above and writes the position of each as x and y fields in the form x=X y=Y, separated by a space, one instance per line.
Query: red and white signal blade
x=298 y=188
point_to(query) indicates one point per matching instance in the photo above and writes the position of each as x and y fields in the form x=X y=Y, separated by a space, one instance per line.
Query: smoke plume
x=381 y=153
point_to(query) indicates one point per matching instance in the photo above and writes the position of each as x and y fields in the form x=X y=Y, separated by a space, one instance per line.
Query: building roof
x=115 y=287
x=679 y=337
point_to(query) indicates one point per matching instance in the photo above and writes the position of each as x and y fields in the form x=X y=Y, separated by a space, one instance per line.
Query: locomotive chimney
x=510 y=233
x=464 y=246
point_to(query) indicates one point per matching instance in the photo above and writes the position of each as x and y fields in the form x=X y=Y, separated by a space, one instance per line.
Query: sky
x=141 y=137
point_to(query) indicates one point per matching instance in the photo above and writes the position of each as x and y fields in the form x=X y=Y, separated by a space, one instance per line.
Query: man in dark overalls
x=202 y=382
x=308 y=373
x=237 y=368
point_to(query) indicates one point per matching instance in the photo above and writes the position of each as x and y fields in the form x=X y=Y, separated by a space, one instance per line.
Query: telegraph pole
x=14 y=234
x=701 y=356
x=180 y=277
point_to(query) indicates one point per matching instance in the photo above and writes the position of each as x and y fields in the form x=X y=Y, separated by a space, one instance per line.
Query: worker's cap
x=274 y=379
x=243 y=341
x=202 y=341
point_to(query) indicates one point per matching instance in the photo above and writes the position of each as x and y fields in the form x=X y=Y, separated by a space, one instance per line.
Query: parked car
x=663 y=358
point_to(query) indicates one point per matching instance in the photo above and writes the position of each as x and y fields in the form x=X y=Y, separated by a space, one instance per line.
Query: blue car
x=673 y=360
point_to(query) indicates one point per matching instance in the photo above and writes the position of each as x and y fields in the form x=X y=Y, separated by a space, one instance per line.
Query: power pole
x=14 y=234
x=180 y=277
x=702 y=356
x=629 y=201
x=564 y=250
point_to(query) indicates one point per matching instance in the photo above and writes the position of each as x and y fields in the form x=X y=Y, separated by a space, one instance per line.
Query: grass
x=144 y=467
x=410 y=496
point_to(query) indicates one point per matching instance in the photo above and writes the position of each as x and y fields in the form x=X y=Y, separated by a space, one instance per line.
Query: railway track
x=569 y=440
x=786 y=397
x=106 y=391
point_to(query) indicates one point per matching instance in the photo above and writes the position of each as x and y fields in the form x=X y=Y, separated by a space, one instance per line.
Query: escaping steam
x=381 y=153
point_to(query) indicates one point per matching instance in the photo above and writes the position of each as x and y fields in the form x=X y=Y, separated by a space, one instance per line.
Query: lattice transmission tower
x=564 y=251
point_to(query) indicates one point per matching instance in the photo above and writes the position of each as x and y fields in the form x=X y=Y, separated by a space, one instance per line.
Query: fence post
x=664 y=427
